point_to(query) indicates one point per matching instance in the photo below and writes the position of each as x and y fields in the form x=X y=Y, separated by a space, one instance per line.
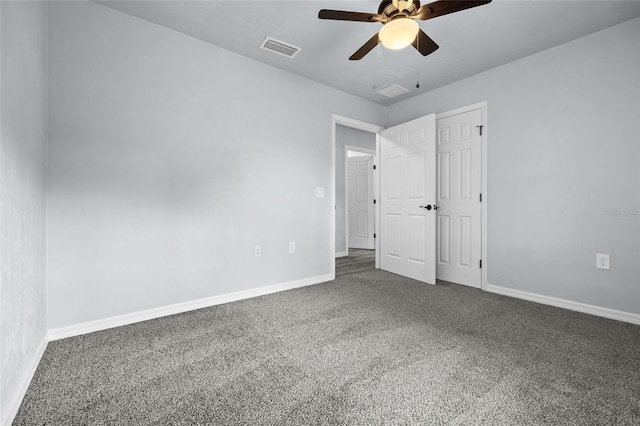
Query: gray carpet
x=366 y=349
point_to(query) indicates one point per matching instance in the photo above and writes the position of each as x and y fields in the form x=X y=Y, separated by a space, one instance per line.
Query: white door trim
x=367 y=127
x=346 y=190
x=485 y=198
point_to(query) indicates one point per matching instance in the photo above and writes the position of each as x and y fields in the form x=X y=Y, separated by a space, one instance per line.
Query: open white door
x=408 y=196
x=360 y=214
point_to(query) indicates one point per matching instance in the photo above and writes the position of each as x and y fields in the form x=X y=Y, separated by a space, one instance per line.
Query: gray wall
x=564 y=152
x=346 y=136
x=23 y=118
x=169 y=159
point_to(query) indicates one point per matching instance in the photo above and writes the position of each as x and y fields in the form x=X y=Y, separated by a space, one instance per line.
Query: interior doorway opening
x=356 y=136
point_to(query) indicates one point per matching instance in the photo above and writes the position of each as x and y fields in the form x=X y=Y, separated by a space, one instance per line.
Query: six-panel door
x=459 y=150
x=407 y=186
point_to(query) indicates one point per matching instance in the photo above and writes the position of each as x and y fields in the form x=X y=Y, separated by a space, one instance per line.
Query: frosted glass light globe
x=399 y=33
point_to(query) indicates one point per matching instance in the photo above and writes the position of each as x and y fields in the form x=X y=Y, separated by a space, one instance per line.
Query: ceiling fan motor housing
x=389 y=8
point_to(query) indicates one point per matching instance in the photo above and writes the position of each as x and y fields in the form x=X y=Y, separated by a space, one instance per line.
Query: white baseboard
x=120 y=320
x=14 y=405
x=342 y=254
x=567 y=304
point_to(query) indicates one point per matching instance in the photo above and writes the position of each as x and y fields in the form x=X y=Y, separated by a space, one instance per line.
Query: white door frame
x=485 y=198
x=346 y=190
x=367 y=127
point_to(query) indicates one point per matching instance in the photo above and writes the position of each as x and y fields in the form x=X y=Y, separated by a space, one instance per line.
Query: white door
x=407 y=189
x=360 y=202
x=460 y=211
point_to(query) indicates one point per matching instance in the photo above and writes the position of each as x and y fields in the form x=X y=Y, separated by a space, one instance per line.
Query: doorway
x=338 y=243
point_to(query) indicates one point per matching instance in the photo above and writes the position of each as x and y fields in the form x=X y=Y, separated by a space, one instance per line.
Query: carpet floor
x=369 y=348
x=359 y=260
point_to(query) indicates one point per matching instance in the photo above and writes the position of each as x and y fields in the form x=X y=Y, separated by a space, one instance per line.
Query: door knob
x=428 y=207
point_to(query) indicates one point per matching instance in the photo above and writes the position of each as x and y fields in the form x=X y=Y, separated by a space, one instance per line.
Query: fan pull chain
x=418 y=63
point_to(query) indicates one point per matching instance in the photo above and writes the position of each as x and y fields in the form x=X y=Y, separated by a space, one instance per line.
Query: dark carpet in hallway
x=359 y=260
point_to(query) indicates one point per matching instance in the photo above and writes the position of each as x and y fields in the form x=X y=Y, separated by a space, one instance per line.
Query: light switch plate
x=319 y=192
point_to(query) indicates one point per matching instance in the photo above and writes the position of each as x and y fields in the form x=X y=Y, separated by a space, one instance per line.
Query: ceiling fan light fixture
x=399 y=33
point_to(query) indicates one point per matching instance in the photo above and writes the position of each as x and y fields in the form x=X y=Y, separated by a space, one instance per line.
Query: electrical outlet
x=603 y=261
x=292 y=247
x=258 y=251
x=319 y=192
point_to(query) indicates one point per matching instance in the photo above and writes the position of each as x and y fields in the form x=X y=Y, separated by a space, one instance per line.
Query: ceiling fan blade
x=424 y=44
x=342 y=15
x=366 y=48
x=444 y=7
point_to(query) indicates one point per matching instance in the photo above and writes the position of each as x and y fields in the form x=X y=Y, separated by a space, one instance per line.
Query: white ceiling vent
x=393 y=91
x=280 y=47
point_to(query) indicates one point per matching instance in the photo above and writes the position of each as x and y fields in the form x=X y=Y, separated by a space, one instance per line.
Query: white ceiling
x=471 y=41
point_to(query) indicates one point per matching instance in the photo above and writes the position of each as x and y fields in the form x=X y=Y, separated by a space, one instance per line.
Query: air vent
x=280 y=47
x=393 y=91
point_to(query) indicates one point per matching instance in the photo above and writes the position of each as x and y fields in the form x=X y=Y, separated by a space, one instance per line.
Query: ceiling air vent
x=393 y=91
x=280 y=47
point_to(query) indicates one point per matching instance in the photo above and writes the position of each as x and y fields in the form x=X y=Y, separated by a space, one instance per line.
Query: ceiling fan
x=399 y=26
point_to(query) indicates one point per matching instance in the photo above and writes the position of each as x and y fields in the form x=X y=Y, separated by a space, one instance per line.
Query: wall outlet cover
x=603 y=261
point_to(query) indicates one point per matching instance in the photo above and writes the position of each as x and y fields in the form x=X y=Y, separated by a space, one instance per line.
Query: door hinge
x=480 y=127
x=374 y=235
x=374 y=167
x=480 y=197
x=480 y=263
x=374 y=201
